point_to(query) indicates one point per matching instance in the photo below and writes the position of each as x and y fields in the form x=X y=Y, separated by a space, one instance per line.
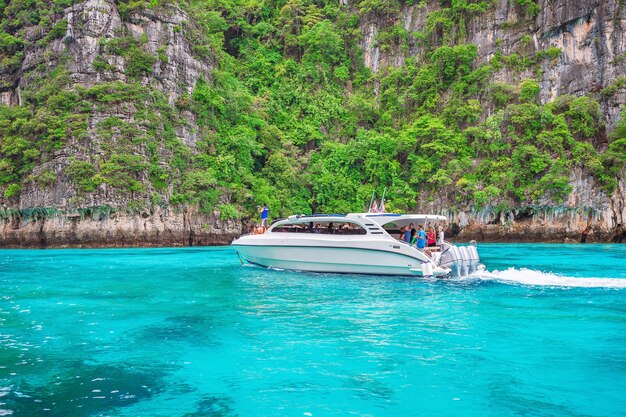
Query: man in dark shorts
x=264 y=215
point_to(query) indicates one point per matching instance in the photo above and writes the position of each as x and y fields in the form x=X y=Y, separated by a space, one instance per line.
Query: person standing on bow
x=264 y=215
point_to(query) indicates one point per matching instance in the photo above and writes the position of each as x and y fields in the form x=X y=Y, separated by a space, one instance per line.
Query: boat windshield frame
x=400 y=220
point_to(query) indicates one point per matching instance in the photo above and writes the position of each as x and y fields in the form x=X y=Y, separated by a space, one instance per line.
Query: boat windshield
x=321 y=227
x=396 y=224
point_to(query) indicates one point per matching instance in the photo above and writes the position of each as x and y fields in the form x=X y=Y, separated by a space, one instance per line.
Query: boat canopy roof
x=403 y=219
x=379 y=218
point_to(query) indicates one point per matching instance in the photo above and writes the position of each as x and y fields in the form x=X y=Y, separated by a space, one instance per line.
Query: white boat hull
x=379 y=259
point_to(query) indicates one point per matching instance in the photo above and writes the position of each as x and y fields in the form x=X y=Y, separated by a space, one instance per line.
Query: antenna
x=369 y=209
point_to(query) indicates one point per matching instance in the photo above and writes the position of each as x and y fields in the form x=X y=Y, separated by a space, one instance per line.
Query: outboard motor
x=458 y=261
x=474 y=259
x=448 y=258
x=461 y=260
x=465 y=260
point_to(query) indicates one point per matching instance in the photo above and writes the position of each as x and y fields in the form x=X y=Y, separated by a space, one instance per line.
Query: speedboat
x=356 y=243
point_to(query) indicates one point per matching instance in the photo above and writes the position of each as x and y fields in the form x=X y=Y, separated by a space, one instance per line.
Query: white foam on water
x=273 y=268
x=526 y=276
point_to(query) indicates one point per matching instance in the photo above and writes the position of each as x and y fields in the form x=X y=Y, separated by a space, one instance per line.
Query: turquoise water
x=190 y=332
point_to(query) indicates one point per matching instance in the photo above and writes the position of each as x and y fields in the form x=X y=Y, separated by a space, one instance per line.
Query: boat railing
x=437 y=248
x=316 y=216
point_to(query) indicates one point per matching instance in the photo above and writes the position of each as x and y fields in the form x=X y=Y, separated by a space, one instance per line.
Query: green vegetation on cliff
x=291 y=116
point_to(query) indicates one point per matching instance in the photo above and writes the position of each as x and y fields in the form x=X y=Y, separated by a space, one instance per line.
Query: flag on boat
x=375 y=207
x=381 y=209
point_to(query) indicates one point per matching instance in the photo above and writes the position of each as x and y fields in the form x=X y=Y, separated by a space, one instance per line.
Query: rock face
x=160 y=227
x=589 y=216
x=592 y=42
x=91 y=24
x=89 y=59
x=590 y=35
x=91 y=27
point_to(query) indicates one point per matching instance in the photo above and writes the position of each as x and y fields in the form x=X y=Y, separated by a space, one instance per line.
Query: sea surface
x=191 y=332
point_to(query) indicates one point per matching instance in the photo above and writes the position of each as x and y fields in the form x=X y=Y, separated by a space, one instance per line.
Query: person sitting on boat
x=407 y=233
x=421 y=237
x=431 y=239
x=264 y=215
x=402 y=230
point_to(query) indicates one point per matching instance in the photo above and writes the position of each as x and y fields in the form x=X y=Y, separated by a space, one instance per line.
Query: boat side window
x=325 y=228
x=339 y=228
x=290 y=228
x=392 y=228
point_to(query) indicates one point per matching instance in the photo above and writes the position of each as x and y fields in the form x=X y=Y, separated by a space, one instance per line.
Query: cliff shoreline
x=186 y=228
x=158 y=227
x=210 y=240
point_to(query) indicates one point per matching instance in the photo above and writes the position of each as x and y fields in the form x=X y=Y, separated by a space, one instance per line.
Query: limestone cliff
x=86 y=57
x=589 y=56
x=589 y=36
x=115 y=175
x=91 y=27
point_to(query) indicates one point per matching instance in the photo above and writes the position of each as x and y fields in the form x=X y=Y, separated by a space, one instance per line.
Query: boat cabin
x=352 y=224
x=392 y=223
x=321 y=227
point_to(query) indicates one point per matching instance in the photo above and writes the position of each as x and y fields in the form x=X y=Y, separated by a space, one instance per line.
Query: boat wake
x=271 y=268
x=526 y=276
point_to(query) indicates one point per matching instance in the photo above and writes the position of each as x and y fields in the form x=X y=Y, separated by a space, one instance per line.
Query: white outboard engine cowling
x=465 y=264
x=448 y=259
x=458 y=264
x=457 y=269
x=461 y=260
x=474 y=259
